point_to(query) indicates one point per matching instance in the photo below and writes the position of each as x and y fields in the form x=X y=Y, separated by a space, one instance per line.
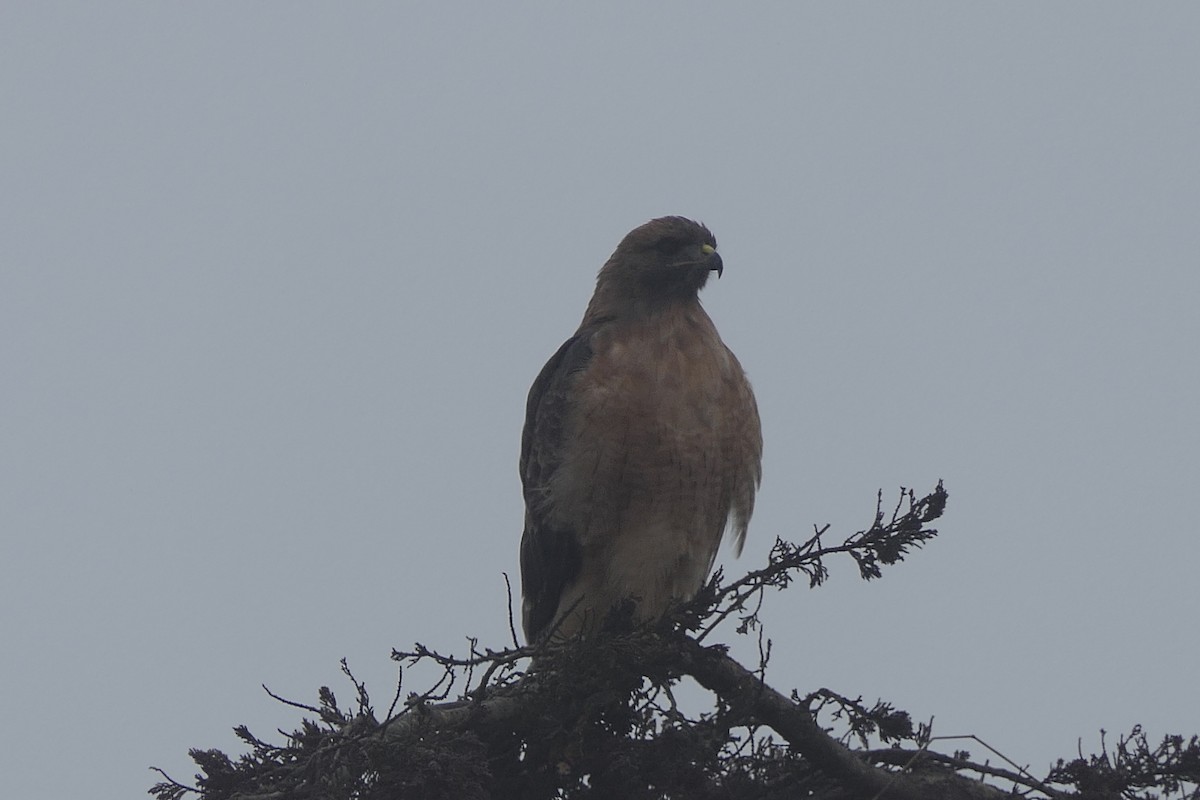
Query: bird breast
x=652 y=450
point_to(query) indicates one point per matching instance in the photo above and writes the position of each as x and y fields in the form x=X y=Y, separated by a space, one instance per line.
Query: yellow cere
x=708 y=249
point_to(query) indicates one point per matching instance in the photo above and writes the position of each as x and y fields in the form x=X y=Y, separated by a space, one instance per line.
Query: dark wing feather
x=550 y=556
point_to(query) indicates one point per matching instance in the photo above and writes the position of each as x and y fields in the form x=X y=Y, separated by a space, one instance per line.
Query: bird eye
x=668 y=246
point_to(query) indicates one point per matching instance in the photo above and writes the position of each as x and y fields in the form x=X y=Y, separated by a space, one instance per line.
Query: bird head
x=666 y=259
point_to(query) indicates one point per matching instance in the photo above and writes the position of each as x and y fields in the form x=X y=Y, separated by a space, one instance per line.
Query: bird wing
x=550 y=554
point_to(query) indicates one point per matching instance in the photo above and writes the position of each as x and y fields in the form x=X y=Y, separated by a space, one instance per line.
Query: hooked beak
x=714 y=259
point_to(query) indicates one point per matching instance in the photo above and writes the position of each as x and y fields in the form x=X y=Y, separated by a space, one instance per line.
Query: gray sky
x=276 y=278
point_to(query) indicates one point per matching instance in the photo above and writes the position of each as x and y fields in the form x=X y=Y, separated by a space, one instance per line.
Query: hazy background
x=276 y=278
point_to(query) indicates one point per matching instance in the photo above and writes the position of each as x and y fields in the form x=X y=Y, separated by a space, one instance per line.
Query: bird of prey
x=642 y=442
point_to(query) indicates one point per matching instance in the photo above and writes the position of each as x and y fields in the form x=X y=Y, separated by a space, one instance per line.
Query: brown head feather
x=665 y=261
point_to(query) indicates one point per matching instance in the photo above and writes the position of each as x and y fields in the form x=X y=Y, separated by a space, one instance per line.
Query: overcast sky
x=276 y=278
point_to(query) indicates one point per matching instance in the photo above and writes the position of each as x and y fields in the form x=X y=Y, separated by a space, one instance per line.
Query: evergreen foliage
x=598 y=718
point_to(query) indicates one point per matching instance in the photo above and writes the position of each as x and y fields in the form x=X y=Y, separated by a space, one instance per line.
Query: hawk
x=642 y=442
